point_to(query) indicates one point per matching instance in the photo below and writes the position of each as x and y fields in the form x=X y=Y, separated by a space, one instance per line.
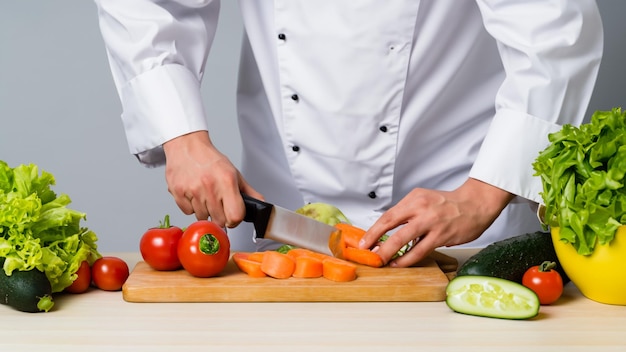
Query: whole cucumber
x=27 y=291
x=510 y=258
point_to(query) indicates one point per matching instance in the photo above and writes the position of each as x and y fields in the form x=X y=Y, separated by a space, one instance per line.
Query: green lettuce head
x=582 y=172
x=37 y=230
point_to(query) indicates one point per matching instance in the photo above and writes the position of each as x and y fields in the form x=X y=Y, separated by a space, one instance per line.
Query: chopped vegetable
x=308 y=266
x=351 y=234
x=256 y=256
x=337 y=244
x=363 y=256
x=298 y=262
x=582 y=172
x=491 y=297
x=250 y=267
x=339 y=270
x=278 y=265
x=331 y=269
x=296 y=252
x=344 y=245
x=37 y=230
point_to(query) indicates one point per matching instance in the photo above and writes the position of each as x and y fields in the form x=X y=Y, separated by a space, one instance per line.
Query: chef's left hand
x=435 y=219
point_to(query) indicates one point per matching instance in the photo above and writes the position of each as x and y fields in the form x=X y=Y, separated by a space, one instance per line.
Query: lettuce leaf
x=38 y=230
x=582 y=173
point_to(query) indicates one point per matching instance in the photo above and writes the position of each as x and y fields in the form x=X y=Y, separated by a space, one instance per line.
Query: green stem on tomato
x=209 y=244
x=547 y=266
x=166 y=222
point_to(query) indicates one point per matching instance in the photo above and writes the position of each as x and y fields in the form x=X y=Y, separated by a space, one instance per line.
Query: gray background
x=59 y=110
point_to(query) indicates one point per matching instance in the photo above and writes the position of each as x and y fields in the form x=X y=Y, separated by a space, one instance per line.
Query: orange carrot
x=240 y=255
x=308 y=266
x=338 y=270
x=363 y=256
x=296 y=252
x=336 y=244
x=256 y=256
x=345 y=246
x=277 y=265
x=351 y=234
x=250 y=267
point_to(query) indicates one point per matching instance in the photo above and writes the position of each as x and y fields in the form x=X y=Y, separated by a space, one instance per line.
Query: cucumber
x=27 y=291
x=510 y=258
x=491 y=297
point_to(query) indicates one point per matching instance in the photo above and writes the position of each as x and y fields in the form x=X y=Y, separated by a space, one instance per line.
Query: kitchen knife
x=285 y=226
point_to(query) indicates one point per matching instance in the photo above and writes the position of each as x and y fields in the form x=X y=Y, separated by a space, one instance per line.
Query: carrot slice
x=336 y=244
x=345 y=246
x=296 y=252
x=363 y=256
x=308 y=266
x=277 y=265
x=351 y=234
x=256 y=256
x=240 y=255
x=250 y=267
x=338 y=270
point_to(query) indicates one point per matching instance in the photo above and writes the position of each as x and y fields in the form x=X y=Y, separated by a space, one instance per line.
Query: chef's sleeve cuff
x=512 y=144
x=159 y=105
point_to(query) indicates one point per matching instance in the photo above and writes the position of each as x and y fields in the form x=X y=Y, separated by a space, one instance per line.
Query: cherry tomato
x=159 y=246
x=109 y=273
x=544 y=281
x=204 y=249
x=83 y=281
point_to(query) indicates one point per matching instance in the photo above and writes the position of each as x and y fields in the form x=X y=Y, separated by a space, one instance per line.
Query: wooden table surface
x=103 y=321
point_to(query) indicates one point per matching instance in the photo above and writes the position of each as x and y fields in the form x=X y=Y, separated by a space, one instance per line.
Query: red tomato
x=159 y=246
x=544 y=281
x=82 y=282
x=109 y=273
x=204 y=249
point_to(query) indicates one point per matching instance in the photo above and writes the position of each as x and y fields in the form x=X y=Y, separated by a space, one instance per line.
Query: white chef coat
x=355 y=103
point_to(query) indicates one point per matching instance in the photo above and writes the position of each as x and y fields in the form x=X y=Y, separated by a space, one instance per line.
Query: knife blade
x=273 y=222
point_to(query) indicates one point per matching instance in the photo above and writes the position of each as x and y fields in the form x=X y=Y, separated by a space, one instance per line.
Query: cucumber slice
x=491 y=297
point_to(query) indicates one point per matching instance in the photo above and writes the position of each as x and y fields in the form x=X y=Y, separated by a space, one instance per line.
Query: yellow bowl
x=600 y=276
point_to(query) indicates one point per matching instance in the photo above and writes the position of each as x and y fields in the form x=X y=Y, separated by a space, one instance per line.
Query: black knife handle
x=258 y=213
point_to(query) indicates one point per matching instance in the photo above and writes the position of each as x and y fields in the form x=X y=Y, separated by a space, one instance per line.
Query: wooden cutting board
x=425 y=282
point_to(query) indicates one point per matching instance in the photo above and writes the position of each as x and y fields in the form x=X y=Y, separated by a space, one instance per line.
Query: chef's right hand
x=204 y=181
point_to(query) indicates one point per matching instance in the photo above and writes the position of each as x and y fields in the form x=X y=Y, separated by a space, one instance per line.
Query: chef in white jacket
x=421 y=117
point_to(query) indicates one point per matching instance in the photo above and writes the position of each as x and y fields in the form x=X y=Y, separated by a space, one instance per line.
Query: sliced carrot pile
x=250 y=267
x=338 y=270
x=278 y=265
x=298 y=263
x=308 y=266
